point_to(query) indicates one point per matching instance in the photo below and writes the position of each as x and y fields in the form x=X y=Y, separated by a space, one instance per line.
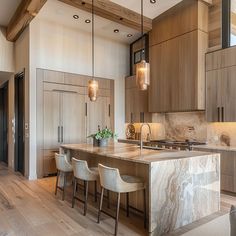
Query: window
x=228 y=23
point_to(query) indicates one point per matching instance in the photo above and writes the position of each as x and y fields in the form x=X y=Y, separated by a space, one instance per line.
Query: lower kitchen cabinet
x=65 y=114
x=136 y=103
x=227 y=170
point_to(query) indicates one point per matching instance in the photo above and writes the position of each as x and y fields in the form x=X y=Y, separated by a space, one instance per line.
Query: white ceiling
x=56 y=11
x=150 y=10
x=7 y=9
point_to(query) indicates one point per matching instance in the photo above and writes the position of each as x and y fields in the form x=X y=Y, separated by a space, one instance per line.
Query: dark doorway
x=4 y=123
x=19 y=124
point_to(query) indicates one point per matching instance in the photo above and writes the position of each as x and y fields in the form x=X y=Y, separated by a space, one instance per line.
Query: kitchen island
x=182 y=186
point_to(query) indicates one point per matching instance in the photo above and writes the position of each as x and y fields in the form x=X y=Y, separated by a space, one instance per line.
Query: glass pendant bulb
x=143 y=75
x=93 y=90
x=142 y=68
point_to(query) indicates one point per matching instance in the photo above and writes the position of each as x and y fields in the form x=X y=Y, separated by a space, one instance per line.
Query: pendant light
x=142 y=68
x=93 y=84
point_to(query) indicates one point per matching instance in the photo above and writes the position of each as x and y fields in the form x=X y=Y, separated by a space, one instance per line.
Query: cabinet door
x=98 y=114
x=229 y=95
x=51 y=117
x=129 y=105
x=73 y=128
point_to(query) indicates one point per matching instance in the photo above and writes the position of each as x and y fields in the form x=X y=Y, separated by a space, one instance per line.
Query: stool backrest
x=62 y=163
x=81 y=170
x=110 y=178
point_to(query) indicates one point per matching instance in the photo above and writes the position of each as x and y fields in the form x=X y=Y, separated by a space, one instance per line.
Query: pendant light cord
x=93 y=60
x=142 y=28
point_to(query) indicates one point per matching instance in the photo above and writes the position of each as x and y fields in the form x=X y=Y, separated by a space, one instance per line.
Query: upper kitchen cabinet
x=136 y=103
x=178 y=43
x=221 y=85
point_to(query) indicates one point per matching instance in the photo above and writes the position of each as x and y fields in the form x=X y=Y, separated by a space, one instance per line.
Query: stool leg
x=95 y=191
x=84 y=187
x=127 y=204
x=74 y=192
x=145 y=208
x=64 y=187
x=117 y=213
x=108 y=199
x=100 y=205
x=86 y=198
x=58 y=172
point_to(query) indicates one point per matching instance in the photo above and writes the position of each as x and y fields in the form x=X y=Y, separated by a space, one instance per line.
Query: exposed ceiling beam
x=24 y=14
x=112 y=11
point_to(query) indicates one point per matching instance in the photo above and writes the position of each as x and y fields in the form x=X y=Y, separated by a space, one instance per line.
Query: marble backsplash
x=192 y=126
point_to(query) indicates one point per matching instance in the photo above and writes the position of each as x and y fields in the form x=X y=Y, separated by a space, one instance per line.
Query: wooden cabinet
x=221 y=85
x=227 y=169
x=177 y=59
x=136 y=103
x=65 y=114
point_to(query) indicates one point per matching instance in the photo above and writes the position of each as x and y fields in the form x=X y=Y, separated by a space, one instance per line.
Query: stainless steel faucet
x=141 y=134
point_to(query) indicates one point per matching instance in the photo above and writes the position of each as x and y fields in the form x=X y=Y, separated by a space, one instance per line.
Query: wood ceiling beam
x=24 y=14
x=112 y=11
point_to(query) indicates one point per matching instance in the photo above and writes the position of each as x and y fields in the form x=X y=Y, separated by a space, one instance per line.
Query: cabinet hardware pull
x=131 y=117
x=109 y=110
x=63 y=91
x=62 y=134
x=58 y=134
x=218 y=111
x=223 y=114
x=86 y=109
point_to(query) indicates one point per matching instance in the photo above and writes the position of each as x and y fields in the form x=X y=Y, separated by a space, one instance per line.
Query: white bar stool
x=82 y=172
x=64 y=167
x=111 y=180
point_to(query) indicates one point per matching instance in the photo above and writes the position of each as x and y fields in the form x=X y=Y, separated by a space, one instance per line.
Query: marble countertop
x=131 y=152
x=216 y=147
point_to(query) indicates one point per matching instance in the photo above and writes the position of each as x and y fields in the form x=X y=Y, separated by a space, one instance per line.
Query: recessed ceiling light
x=152 y=1
x=87 y=21
x=129 y=35
x=116 y=31
x=76 y=17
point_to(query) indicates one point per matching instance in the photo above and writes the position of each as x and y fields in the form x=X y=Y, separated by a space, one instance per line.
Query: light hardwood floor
x=31 y=208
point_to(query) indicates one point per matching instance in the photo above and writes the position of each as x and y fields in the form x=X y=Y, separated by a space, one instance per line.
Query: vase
x=100 y=143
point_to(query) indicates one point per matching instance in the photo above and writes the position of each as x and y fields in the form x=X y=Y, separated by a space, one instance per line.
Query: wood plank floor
x=31 y=208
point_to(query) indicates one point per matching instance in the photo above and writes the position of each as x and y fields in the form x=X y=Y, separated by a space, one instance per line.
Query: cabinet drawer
x=227 y=183
x=49 y=164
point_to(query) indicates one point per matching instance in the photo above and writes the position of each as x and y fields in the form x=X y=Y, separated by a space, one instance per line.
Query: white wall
x=56 y=47
x=6 y=53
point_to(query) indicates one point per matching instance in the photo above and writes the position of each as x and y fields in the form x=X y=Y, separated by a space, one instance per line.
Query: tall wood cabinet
x=221 y=85
x=177 y=59
x=65 y=114
x=136 y=103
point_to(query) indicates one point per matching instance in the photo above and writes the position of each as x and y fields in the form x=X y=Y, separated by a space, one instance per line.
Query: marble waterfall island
x=182 y=186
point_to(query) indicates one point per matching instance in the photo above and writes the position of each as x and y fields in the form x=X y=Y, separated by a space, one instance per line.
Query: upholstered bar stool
x=82 y=172
x=63 y=167
x=111 y=180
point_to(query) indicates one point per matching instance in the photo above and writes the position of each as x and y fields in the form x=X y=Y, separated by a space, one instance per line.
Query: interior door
x=4 y=124
x=98 y=114
x=19 y=124
x=52 y=119
x=73 y=118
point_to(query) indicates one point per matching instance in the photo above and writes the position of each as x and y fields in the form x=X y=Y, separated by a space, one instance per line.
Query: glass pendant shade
x=93 y=90
x=143 y=75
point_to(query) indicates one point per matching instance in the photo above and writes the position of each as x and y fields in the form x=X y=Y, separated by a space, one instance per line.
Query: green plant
x=103 y=134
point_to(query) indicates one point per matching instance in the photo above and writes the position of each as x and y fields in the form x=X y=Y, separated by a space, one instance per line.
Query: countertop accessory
x=100 y=139
x=130 y=131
